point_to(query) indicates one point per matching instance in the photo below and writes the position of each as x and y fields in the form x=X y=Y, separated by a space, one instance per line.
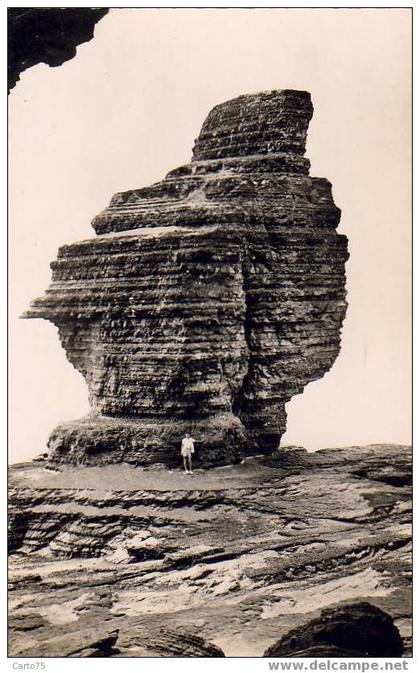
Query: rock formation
x=168 y=643
x=207 y=300
x=354 y=630
x=46 y=35
x=234 y=558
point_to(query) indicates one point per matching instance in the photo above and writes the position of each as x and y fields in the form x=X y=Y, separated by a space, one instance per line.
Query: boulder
x=354 y=630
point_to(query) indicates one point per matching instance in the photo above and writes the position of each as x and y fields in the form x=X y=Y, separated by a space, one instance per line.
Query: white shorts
x=185 y=453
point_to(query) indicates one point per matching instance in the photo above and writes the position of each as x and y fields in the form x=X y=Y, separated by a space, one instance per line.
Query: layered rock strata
x=207 y=300
x=233 y=560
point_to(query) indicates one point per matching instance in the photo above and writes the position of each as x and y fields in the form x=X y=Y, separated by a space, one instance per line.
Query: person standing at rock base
x=187 y=449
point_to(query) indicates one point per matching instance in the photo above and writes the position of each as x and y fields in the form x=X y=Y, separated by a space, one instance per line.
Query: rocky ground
x=122 y=561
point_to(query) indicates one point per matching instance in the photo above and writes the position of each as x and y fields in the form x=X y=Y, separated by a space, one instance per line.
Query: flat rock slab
x=236 y=556
x=129 y=478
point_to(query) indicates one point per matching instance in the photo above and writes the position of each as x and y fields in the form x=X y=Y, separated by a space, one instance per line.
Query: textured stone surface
x=238 y=556
x=98 y=641
x=354 y=630
x=207 y=300
x=167 y=643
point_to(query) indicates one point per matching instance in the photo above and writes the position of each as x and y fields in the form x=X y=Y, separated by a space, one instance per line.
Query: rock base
x=102 y=441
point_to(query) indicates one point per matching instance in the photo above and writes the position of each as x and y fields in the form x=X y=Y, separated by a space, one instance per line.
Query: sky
x=127 y=109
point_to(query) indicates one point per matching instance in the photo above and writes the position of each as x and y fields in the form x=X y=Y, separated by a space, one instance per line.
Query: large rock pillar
x=206 y=301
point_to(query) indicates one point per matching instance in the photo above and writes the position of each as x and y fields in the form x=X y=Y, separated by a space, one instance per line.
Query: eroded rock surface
x=354 y=630
x=207 y=300
x=237 y=556
x=97 y=641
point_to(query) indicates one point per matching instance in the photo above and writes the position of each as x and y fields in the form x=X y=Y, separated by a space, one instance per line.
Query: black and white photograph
x=210 y=334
